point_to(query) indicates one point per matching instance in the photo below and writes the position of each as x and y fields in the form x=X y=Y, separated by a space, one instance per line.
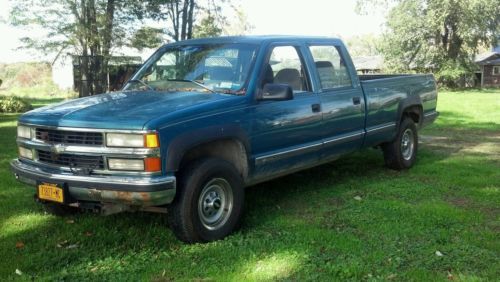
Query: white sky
x=312 y=17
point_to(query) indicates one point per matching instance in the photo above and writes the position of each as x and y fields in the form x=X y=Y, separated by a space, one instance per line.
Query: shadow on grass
x=8 y=117
x=452 y=120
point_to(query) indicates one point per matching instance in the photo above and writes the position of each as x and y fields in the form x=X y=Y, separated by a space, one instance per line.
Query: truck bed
x=386 y=95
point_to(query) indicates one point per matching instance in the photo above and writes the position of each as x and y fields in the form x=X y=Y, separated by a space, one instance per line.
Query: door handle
x=356 y=100
x=316 y=108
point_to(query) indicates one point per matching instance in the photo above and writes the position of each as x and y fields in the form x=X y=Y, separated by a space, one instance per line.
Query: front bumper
x=129 y=190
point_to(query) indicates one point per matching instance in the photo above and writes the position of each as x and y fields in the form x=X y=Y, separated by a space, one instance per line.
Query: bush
x=14 y=104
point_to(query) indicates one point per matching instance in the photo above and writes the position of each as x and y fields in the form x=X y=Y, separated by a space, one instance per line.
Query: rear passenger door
x=286 y=134
x=342 y=101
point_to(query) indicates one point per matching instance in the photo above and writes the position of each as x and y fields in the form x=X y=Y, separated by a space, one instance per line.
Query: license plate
x=50 y=192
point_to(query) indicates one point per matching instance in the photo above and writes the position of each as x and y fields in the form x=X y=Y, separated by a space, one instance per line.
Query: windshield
x=199 y=68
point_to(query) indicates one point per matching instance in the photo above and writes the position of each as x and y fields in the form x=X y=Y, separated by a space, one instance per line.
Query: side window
x=285 y=67
x=331 y=68
x=496 y=70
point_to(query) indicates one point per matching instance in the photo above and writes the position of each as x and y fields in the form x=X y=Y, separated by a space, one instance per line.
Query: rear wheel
x=209 y=201
x=401 y=153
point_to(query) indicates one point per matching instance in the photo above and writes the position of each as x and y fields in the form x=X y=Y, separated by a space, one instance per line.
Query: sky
x=312 y=17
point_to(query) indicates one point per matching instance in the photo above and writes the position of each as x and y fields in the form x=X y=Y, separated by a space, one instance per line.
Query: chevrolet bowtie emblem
x=58 y=148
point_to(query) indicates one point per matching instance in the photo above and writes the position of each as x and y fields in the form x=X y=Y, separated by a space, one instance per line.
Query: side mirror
x=276 y=92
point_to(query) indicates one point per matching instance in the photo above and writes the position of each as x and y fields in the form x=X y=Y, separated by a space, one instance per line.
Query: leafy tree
x=86 y=28
x=179 y=13
x=147 y=37
x=366 y=45
x=437 y=35
x=208 y=27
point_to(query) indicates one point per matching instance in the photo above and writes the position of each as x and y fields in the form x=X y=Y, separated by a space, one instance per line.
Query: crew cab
x=203 y=119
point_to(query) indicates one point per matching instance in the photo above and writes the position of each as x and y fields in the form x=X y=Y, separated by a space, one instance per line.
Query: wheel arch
x=231 y=147
x=411 y=107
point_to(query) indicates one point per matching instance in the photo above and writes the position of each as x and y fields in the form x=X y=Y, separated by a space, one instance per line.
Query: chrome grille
x=72 y=161
x=69 y=137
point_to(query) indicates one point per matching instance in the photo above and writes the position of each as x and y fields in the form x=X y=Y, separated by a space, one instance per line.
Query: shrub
x=12 y=104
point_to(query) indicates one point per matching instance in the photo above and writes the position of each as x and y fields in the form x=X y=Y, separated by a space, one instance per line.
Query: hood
x=120 y=110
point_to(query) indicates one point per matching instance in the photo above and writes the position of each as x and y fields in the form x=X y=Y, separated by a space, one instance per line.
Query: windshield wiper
x=142 y=82
x=192 y=81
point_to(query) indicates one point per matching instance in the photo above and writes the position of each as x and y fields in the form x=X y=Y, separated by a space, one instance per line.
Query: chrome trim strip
x=345 y=138
x=105 y=171
x=382 y=127
x=90 y=150
x=275 y=156
x=263 y=159
x=430 y=114
x=83 y=129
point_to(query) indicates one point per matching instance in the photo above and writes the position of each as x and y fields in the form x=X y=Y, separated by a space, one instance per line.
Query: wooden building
x=489 y=67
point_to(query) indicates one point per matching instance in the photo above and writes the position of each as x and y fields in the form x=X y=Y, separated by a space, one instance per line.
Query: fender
x=188 y=140
x=410 y=101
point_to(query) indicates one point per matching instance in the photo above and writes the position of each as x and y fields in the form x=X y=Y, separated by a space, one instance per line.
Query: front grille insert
x=71 y=161
x=69 y=137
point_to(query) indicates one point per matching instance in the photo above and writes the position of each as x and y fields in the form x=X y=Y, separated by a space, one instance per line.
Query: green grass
x=306 y=226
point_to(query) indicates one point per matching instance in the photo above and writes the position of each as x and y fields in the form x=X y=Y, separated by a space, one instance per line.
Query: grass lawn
x=352 y=219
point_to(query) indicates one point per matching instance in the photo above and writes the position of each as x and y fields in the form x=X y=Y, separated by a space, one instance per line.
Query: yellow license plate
x=50 y=192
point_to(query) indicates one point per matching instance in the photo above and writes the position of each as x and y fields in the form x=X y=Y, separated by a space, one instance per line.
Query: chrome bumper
x=137 y=191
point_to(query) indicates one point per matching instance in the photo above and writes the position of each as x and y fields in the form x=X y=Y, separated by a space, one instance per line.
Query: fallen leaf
x=19 y=245
x=72 y=246
x=19 y=272
x=357 y=198
x=70 y=221
x=450 y=276
x=439 y=254
x=88 y=233
x=62 y=244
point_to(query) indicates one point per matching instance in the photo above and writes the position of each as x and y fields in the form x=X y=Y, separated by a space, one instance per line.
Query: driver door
x=286 y=134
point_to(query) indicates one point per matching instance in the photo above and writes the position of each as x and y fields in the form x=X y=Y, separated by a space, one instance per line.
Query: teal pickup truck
x=204 y=118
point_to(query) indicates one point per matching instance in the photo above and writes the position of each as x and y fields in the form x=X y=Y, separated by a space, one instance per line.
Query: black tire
x=401 y=153
x=59 y=209
x=209 y=201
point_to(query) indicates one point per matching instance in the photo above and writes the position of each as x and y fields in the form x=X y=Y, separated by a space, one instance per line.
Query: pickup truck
x=202 y=119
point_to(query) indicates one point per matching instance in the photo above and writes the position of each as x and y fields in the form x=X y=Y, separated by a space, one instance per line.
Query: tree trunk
x=106 y=44
x=190 y=19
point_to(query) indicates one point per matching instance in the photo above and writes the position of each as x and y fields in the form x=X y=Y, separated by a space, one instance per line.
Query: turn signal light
x=151 y=140
x=152 y=164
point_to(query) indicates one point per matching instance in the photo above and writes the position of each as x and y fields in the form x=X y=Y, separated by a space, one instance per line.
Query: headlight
x=149 y=140
x=25 y=153
x=152 y=164
x=124 y=140
x=24 y=131
x=126 y=164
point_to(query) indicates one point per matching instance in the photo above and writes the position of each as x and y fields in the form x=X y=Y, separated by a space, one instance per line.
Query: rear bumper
x=136 y=191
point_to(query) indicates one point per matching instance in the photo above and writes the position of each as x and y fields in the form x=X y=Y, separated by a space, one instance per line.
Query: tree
x=208 y=27
x=438 y=35
x=147 y=37
x=88 y=29
x=181 y=16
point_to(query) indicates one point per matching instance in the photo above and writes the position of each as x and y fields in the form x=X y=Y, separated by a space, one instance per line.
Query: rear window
x=330 y=66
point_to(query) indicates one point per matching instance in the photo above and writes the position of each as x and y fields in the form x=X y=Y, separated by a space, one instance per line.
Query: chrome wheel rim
x=407 y=144
x=215 y=203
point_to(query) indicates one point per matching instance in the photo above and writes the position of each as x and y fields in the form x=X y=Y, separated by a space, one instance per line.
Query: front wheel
x=401 y=153
x=209 y=202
